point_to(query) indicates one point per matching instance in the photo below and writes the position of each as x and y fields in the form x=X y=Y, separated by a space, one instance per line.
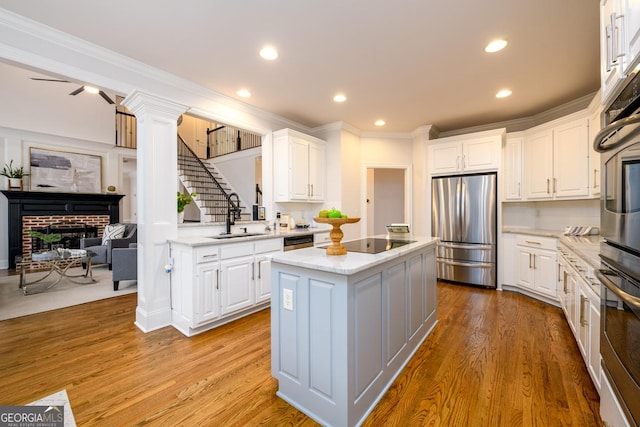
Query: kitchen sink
x=235 y=236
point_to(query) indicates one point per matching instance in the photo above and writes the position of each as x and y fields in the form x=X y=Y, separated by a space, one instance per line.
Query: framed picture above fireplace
x=64 y=172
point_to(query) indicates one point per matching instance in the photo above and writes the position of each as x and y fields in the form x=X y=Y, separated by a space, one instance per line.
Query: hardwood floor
x=495 y=359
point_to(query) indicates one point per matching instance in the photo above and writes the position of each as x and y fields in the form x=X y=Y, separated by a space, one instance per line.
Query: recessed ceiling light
x=380 y=123
x=503 y=93
x=495 y=46
x=243 y=93
x=91 y=89
x=269 y=53
x=339 y=98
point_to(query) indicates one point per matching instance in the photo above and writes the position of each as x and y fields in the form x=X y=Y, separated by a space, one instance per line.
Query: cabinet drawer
x=268 y=245
x=537 y=242
x=236 y=250
x=321 y=238
x=207 y=254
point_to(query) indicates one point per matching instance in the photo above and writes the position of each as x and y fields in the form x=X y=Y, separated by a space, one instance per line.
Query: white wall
x=239 y=171
x=47 y=107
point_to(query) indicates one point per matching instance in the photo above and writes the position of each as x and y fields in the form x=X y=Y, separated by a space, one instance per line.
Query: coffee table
x=58 y=262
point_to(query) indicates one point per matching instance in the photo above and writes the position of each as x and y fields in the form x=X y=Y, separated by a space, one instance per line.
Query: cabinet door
x=262 y=278
x=236 y=284
x=572 y=284
x=631 y=13
x=544 y=265
x=445 y=158
x=525 y=268
x=594 y=342
x=298 y=169
x=594 y=156
x=582 y=309
x=481 y=154
x=610 y=48
x=571 y=159
x=538 y=165
x=208 y=293
x=316 y=172
x=512 y=166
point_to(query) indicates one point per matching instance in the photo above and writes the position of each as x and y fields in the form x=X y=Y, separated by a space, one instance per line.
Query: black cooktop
x=372 y=245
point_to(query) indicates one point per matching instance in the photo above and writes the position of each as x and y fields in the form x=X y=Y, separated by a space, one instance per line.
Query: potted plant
x=14 y=175
x=183 y=200
x=50 y=239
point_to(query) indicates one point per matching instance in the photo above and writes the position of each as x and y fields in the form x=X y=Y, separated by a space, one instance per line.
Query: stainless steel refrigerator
x=464 y=217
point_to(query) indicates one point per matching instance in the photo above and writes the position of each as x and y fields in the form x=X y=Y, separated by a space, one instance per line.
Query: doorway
x=386 y=198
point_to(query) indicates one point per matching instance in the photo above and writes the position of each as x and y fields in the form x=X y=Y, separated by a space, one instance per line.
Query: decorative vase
x=180 y=217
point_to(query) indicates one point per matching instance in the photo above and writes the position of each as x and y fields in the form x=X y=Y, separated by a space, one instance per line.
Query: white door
x=236 y=284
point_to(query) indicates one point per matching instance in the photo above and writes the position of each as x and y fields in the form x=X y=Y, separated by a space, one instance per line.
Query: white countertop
x=586 y=247
x=208 y=238
x=352 y=262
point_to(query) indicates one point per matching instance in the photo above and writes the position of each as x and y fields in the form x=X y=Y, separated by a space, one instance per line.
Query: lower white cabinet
x=537 y=265
x=581 y=305
x=215 y=284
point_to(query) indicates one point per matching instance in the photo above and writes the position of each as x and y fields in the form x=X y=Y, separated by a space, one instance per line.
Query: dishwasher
x=298 y=242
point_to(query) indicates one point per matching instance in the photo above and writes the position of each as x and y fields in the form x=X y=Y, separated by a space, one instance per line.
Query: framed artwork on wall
x=64 y=172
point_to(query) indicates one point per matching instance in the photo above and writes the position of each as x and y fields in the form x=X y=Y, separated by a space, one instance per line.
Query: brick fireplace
x=33 y=210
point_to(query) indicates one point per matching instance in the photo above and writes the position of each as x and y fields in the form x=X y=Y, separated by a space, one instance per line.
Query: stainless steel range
x=619 y=143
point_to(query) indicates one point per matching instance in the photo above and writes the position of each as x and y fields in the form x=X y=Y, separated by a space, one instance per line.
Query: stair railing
x=185 y=150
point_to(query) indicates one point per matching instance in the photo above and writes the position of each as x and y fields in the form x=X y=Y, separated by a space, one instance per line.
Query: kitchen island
x=343 y=327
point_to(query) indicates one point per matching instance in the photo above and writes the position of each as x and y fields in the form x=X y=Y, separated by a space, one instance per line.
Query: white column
x=157 y=178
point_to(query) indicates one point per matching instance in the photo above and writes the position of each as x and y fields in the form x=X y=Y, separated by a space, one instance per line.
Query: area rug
x=13 y=303
x=58 y=399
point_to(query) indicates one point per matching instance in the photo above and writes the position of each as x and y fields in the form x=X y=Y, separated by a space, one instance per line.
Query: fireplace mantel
x=27 y=203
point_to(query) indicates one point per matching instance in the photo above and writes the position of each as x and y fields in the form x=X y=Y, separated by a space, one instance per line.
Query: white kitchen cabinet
x=299 y=167
x=208 y=286
x=320 y=239
x=512 y=167
x=214 y=284
x=236 y=284
x=619 y=43
x=467 y=153
x=595 y=124
x=537 y=265
x=556 y=160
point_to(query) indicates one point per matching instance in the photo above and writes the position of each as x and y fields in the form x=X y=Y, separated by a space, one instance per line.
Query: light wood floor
x=495 y=359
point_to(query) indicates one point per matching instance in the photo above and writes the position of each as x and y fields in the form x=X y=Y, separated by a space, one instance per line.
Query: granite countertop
x=352 y=262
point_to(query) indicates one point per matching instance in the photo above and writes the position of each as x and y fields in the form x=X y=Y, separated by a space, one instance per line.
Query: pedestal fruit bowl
x=336 y=234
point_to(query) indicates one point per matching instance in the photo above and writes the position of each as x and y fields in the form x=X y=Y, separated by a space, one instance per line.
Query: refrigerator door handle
x=465 y=264
x=463 y=246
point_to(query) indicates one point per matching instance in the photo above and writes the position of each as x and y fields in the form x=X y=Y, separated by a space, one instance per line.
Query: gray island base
x=343 y=327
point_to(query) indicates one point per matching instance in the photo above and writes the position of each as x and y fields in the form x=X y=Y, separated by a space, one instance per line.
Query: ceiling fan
x=82 y=88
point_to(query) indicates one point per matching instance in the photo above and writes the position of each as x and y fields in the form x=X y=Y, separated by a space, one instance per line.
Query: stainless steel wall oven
x=619 y=145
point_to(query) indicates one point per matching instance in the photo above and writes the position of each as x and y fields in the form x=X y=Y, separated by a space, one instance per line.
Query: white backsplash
x=551 y=215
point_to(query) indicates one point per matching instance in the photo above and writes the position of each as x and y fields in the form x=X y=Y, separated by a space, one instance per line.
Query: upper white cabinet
x=556 y=160
x=466 y=153
x=512 y=167
x=619 y=43
x=298 y=165
x=595 y=125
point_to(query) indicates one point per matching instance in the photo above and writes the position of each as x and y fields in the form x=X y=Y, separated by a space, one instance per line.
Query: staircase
x=206 y=182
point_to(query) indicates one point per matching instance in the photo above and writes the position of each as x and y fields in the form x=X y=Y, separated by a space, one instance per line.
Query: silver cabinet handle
x=253 y=271
x=458 y=163
x=259 y=270
x=566 y=275
x=529 y=260
x=217 y=279
x=555 y=185
x=312 y=190
x=609 y=47
x=548 y=186
x=532 y=242
x=534 y=261
x=595 y=178
x=583 y=319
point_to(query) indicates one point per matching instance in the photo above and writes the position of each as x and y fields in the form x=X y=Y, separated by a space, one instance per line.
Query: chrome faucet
x=232 y=208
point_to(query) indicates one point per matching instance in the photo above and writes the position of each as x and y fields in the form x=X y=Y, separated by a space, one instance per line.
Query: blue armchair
x=125 y=264
x=103 y=252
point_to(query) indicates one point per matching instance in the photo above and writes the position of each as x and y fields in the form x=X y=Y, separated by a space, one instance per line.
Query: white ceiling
x=409 y=62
